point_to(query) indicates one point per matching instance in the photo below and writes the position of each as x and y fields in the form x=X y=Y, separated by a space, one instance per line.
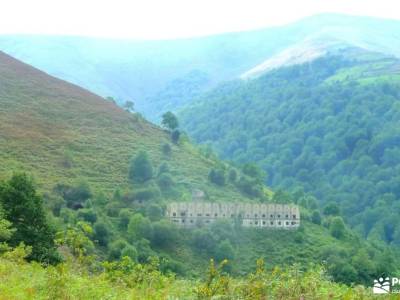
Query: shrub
x=165 y=181
x=232 y=176
x=164 y=234
x=141 y=169
x=224 y=250
x=75 y=196
x=116 y=249
x=166 y=149
x=316 y=217
x=331 y=209
x=217 y=176
x=87 y=215
x=124 y=216
x=175 y=136
x=140 y=227
x=337 y=227
x=130 y=252
x=101 y=233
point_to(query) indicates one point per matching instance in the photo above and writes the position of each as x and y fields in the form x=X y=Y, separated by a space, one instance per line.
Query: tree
x=115 y=249
x=124 y=217
x=165 y=181
x=166 y=149
x=337 y=227
x=175 y=136
x=87 y=215
x=140 y=227
x=331 y=209
x=101 y=233
x=217 y=176
x=23 y=208
x=5 y=227
x=129 y=106
x=75 y=196
x=232 y=175
x=316 y=217
x=224 y=250
x=164 y=234
x=254 y=171
x=141 y=168
x=281 y=196
x=169 y=121
x=130 y=251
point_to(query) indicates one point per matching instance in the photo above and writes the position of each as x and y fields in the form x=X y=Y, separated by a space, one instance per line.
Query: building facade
x=191 y=214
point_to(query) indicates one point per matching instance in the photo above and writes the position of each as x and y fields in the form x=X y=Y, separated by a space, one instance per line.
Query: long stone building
x=191 y=214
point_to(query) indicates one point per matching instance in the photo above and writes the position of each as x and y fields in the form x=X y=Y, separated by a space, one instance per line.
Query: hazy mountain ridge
x=141 y=70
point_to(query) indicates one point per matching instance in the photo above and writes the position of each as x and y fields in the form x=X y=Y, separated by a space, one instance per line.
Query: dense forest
x=330 y=127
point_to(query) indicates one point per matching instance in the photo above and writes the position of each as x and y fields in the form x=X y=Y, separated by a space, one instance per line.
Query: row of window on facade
x=279 y=223
x=183 y=214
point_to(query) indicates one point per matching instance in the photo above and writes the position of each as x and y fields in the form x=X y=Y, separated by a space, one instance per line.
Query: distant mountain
x=329 y=125
x=147 y=71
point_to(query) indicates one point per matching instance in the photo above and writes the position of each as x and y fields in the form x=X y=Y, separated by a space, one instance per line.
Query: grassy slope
x=59 y=132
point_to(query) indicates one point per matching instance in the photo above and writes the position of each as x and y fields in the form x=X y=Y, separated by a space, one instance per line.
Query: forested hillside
x=102 y=177
x=330 y=126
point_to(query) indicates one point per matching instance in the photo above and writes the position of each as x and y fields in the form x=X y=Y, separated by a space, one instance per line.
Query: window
x=279 y=223
x=293 y=223
x=263 y=222
x=183 y=220
x=272 y=223
x=176 y=221
x=182 y=214
x=294 y=216
x=279 y=216
x=215 y=215
x=199 y=215
x=207 y=215
x=207 y=221
x=287 y=216
x=255 y=215
x=287 y=223
x=263 y=215
x=272 y=216
x=232 y=215
x=174 y=214
x=256 y=222
x=191 y=221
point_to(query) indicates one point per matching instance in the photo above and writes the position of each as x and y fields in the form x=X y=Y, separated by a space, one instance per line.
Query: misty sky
x=162 y=19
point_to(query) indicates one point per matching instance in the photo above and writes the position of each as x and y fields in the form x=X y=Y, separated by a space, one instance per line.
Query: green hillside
x=330 y=127
x=78 y=148
x=61 y=133
x=161 y=75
